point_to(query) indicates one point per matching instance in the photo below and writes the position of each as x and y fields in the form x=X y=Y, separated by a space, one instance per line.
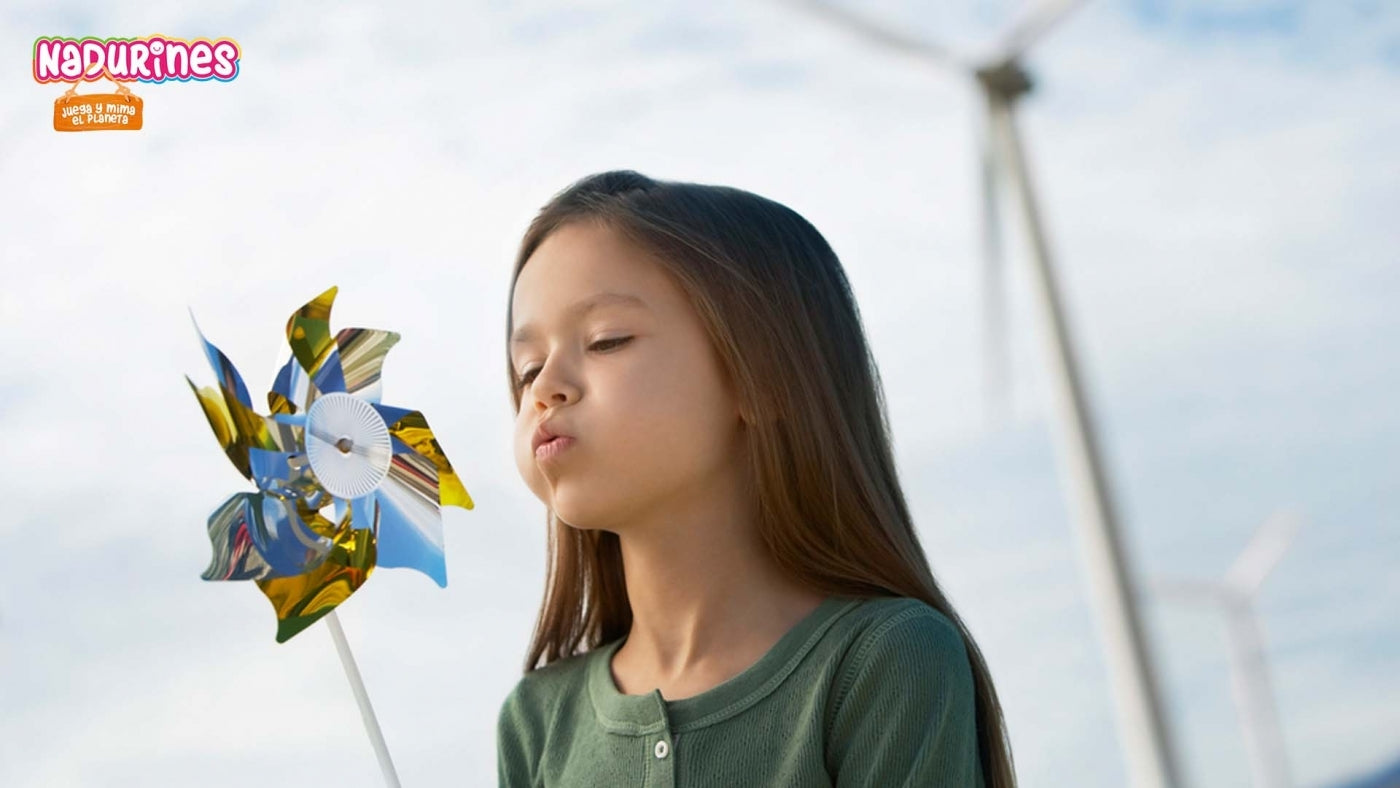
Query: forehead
x=579 y=261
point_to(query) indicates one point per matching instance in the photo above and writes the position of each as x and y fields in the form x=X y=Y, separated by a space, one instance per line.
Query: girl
x=698 y=409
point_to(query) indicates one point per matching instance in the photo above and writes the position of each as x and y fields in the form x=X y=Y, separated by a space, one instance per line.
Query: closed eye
x=602 y=346
x=610 y=343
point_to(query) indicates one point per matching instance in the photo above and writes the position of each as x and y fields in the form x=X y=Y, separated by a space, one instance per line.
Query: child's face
x=653 y=420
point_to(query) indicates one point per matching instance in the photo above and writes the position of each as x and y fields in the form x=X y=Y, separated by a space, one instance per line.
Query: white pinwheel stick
x=357 y=685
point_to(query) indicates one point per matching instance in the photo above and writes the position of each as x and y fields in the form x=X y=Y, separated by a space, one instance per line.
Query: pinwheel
x=344 y=484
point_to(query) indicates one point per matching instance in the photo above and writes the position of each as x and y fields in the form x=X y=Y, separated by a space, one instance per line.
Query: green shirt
x=862 y=692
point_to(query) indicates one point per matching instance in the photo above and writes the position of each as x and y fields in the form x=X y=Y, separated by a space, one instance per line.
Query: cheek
x=674 y=423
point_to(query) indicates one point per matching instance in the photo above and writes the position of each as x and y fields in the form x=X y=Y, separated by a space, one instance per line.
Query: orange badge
x=120 y=111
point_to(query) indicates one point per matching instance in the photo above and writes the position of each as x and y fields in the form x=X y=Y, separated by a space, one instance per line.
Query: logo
x=152 y=59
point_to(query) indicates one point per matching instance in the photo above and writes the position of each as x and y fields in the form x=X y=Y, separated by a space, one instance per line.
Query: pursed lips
x=544 y=435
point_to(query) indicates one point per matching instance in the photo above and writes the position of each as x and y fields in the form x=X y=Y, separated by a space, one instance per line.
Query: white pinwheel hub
x=348 y=445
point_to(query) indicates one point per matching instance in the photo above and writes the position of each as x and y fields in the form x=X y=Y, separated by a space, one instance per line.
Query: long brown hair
x=776 y=303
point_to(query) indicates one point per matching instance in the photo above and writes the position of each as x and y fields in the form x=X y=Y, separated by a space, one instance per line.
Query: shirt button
x=661 y=748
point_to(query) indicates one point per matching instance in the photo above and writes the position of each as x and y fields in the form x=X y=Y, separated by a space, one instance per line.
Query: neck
x=703 y=589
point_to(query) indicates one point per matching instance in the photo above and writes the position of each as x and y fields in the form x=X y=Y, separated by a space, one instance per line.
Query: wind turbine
x=1149 y=751
x=1249 y=676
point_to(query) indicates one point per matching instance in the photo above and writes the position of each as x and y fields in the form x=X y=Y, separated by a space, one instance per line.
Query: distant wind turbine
x=1149 y=751
x=1249 y=672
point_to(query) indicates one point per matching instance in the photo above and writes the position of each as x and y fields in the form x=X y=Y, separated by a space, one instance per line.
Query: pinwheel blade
x=410 y=427
x=230 y=411
x=239 y=429
x=365 y=513
x=290 y=538
x=216 y=410
x=230 y=534
x=410 y=522
x=303 y=599
x=229 y=380
x=292 y=391
x=362 y=352
x=287 y=474
x=309 y=334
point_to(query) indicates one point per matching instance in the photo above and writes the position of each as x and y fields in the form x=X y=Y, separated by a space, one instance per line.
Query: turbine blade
x=1033 y=25
x=994 y=347
x=1189 y=590
x=1265 y=549
x=882 y=35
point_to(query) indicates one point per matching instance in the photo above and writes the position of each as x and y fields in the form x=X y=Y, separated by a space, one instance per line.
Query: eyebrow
x=526 y=332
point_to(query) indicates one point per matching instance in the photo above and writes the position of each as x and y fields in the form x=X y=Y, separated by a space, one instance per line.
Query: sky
x=1218 y=182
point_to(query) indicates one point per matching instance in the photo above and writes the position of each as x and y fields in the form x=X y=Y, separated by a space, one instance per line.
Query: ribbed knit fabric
x=862 y=692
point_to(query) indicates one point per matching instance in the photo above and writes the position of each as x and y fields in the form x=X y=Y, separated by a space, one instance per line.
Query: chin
x=580 y=518
x=584 y=510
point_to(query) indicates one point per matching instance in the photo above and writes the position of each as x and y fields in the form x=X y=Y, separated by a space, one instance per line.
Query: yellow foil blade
x=362 y=352
x=301 y=600
x=309 y=332
x=413 y=430
x=211 y=400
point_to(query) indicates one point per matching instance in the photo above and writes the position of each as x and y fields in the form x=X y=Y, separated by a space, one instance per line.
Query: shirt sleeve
x=905 y=712
x=517 y=743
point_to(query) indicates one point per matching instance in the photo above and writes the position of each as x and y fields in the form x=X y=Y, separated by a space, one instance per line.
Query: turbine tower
x=1249 y=675
x=1142 y=727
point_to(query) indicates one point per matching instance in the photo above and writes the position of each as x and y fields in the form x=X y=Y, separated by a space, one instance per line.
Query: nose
x=552 y=387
